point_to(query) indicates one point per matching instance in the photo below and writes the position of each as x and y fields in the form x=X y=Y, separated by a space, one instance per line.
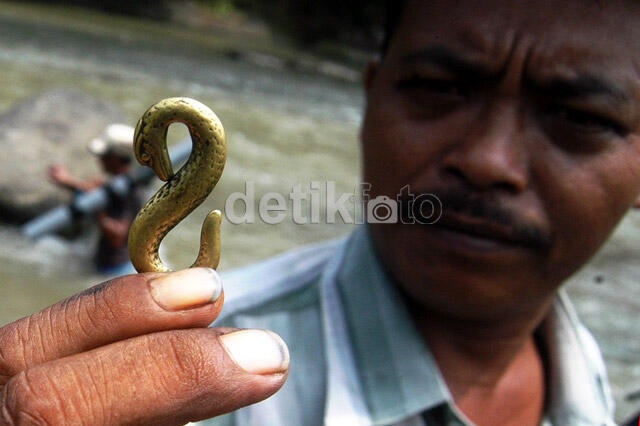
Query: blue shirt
x=357 y=358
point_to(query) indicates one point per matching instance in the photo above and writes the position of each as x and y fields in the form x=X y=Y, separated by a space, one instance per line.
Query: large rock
x=53 y=127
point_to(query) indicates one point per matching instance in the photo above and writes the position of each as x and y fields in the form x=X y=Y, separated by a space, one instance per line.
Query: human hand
x=135 y=350
x=59 y=174
x=116 y=231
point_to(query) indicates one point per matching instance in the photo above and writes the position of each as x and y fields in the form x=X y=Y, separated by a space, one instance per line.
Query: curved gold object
x=184 y=190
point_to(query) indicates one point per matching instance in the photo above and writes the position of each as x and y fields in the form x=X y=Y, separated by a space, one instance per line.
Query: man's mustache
x=485 y=208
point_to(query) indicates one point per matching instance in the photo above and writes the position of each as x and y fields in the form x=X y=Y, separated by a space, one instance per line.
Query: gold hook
x=184 y=190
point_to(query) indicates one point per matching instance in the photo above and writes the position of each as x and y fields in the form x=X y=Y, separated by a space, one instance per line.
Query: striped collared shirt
x=357 y=359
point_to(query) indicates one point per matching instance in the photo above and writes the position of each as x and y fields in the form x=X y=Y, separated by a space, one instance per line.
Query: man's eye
x=585 y=121
x=438 y=86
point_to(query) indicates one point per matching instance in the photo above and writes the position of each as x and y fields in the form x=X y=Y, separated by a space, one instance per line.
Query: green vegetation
x=157 y=9
x=308 y=23
x=215 y=27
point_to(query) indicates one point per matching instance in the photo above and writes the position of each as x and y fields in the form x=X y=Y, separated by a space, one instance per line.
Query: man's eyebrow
x=581 y=86
x=449 y=60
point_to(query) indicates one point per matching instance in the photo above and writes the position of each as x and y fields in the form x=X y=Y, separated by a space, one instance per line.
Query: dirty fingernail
x=257 y=351
x=186 y=289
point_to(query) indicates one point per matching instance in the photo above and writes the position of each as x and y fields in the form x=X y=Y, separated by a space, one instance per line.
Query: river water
x=284 y=128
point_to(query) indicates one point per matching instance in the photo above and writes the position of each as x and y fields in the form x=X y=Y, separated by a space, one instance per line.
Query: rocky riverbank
x=52 y=127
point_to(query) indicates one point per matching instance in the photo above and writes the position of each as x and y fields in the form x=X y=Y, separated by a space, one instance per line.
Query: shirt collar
x=398 y=374
x=576 y=387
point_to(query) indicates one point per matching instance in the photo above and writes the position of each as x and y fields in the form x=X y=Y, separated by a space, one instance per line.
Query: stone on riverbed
x=53 y=127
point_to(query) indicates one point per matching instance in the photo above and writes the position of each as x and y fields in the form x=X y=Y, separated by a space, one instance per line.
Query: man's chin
x=452 y=273
x=428 y=244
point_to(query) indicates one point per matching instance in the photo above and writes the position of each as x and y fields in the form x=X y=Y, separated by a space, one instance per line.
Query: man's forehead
x=561 y=34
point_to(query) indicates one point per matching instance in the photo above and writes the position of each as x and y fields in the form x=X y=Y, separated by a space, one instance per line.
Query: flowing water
x=284 y=128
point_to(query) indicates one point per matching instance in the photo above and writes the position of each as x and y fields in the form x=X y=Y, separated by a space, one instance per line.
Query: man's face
x=113 y=164
x=523 y=118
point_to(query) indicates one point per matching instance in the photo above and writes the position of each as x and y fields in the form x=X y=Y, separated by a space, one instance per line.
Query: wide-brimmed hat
x=115 y=139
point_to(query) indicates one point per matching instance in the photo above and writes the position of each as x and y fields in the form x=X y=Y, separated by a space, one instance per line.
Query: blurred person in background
x=524 y=119
x=114 y=151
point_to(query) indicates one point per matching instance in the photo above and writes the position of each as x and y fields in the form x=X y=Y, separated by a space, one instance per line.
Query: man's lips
x=471 y=221
x=482 y=229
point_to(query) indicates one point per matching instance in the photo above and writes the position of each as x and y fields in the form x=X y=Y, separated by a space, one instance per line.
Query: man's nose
x=492 y=152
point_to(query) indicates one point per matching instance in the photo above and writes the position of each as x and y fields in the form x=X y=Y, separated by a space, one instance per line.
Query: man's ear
x=370 y=74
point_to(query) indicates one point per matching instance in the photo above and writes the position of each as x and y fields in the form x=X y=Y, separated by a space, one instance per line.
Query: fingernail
x=257 y=351
x=186 y=289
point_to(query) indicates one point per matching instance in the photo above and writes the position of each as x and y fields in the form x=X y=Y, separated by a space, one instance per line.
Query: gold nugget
x=184 y=190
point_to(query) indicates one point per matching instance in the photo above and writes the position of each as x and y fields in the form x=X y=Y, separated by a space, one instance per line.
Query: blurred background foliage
x=156 y=9
x=355 y=23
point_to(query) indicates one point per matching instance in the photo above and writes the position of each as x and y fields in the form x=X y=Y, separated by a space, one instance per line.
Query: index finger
x=116 y=310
